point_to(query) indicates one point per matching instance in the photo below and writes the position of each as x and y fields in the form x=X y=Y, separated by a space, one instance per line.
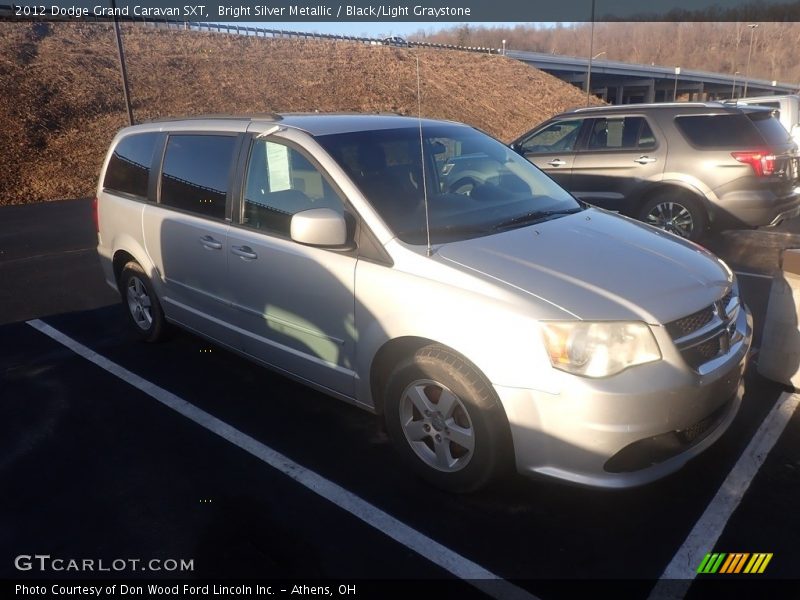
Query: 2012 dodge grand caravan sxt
x=423 y=271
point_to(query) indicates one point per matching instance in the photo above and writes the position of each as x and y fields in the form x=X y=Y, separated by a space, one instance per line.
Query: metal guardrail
x=233 y=28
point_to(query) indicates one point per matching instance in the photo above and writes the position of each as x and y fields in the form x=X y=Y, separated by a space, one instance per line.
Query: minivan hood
x=596 y=265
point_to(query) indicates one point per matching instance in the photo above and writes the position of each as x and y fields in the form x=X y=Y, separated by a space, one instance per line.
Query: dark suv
x=681 y=167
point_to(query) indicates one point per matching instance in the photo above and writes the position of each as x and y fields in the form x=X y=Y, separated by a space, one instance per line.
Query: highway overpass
x=622 y=83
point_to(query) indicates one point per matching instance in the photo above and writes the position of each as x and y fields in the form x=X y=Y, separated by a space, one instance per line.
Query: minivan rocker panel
x=532 y=330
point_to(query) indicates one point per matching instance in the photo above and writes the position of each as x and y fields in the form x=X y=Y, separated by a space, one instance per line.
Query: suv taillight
x=95 y=216
x=763 y=162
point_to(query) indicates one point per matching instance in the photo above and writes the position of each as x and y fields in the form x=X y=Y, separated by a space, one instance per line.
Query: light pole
x=122 y=68
x=752 y=27
x=504 y=47
x=675 y=91
x=733 y=87
x=589 y=68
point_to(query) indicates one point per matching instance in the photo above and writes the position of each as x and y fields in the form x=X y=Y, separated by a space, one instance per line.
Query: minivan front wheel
x=676 y=213
x=445 y=420
x=141 y=304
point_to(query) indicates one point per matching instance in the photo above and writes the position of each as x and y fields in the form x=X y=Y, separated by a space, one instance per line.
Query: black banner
x=428 y=11
x=619 y=589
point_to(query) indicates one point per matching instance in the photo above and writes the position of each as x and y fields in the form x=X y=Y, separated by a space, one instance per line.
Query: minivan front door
x=294 y=304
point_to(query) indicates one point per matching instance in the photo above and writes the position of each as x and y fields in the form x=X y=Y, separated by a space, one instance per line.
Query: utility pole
x=752 y=27
x=123 y=70
x=591 y=53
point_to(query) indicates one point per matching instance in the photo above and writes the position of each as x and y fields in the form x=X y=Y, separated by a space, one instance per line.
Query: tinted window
x=129 y=167
x=195 y=173
x=770 y=128
x=556 y=137
x=282 y=182
x=719 y=131
x=620 y=133
x=475 y=185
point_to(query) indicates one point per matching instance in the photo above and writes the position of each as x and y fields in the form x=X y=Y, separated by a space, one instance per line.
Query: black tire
x=676 y=212
x=433 y=373
x=141 y=303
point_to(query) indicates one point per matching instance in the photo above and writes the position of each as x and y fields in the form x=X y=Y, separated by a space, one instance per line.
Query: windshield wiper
x=536 y=216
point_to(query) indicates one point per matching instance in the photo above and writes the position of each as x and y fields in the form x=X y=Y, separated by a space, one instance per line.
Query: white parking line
x=709 y=528
x=438 y=554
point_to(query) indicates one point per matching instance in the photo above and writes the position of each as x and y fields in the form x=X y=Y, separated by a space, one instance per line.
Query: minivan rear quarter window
x=718 y=131
x=196 y=173
x=129 y=167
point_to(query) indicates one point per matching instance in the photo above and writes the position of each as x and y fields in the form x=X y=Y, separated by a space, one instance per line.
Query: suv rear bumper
x=758 y=208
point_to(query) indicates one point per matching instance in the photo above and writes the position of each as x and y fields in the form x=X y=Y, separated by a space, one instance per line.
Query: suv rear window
x=719 y=131
x=129 y=167
x=196 y=172
x=770 y=128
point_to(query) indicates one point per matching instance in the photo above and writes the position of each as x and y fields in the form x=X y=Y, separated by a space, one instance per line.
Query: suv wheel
x=445 y=421
x=141 y=304
x=676 y=213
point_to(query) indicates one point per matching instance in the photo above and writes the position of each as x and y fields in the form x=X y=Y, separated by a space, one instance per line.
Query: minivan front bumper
x=632 y=428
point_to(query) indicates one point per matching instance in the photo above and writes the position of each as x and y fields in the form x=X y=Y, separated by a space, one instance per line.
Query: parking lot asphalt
x=96 y=468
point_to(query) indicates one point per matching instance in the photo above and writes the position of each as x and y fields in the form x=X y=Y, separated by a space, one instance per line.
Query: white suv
x=488 y=320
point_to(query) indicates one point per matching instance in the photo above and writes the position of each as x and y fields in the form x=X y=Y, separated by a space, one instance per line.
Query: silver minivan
x=491 y=321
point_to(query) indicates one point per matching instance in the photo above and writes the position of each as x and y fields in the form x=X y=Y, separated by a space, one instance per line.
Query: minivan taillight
x=96 y=216
x=763 y=162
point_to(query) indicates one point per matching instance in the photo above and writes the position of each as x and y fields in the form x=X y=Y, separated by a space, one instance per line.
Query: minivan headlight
x=599 y=349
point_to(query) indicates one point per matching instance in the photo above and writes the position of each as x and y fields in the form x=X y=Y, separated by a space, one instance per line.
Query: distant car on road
x=396 y=40
x=423 y=271
x=681 y=167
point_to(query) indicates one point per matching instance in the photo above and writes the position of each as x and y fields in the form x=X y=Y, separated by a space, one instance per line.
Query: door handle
x=210 y=243
x=244 y=252
x=644 y=160
x=557 y=162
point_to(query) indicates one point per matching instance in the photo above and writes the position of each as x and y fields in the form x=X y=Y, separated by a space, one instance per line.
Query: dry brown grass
x=61 y=100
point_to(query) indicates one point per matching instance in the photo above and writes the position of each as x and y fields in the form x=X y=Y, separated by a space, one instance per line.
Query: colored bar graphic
x=711 y=563
x=717 y=563
x=741 y=562
x=728 y=564
x=734 y=562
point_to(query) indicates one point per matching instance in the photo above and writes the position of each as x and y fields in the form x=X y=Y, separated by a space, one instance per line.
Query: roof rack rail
x=268 y=116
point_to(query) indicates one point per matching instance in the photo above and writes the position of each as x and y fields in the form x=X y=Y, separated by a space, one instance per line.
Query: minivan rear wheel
x=677 y=213
x=141 y=303
x=445 y=420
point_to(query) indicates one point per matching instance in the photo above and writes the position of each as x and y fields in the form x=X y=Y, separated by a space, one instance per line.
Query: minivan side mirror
x=319 y=227
x=516 y=147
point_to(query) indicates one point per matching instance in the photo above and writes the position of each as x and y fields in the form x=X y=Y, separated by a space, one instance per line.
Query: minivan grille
x=704 y=335
x=703 y=352
x=688 y=325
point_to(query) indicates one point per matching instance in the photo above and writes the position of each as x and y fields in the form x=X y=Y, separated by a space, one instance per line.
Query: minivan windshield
x=475 y=185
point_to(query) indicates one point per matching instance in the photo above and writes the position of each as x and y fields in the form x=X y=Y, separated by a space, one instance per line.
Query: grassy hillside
x=61 y=99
